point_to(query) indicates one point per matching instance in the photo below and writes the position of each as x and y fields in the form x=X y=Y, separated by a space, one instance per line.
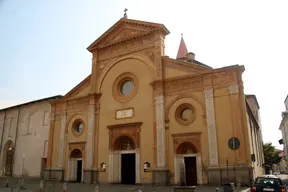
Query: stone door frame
x=112 y=155
x=198 y=167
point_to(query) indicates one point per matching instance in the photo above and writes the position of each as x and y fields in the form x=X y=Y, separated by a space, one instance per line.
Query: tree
x=271 y=156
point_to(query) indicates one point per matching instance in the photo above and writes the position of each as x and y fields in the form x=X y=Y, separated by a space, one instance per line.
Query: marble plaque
x=125 y=113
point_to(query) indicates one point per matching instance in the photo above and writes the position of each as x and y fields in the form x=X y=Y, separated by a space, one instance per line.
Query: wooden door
x=190 y=171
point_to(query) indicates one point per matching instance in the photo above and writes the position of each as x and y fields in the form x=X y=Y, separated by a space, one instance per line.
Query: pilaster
x=62 y=140
x=239 y=122
x=51 y=136
x=160 y=131
x=94 y=73
x=160 y=175
x=89 y=144
x=91 y=171
x=211 y=125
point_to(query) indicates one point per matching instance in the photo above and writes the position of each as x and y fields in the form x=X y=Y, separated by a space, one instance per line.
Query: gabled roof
x=32 y=102
x=150 y=28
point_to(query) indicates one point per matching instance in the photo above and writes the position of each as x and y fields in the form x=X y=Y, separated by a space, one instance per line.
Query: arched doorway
x=75 y=166
x=186 y=164
x=125 y=158
x=8 y=158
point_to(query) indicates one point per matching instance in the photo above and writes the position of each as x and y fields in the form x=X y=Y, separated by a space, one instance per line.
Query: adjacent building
x=142 y=117
x=255 y=135
x=284 y=128
x=24 y=131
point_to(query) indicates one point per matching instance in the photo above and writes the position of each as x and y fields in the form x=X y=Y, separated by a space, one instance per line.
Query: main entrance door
x=79 y=171
x=128 y=168
x=186 y=160
x=190 y=171
x=75 y=166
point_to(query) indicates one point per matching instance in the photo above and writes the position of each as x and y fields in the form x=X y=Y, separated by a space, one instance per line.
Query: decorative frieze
x=211 y=125
x=78 y=104
x=124 y=48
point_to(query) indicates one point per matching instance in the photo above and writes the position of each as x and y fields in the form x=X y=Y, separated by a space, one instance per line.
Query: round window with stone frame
x=125 y=87
x=185 y=114
x=78 y=127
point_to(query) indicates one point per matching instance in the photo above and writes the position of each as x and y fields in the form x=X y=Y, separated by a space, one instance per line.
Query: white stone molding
x=233 y=89
x=110 y=167
x=179 y=158
x=62 y=140
x=160 y=131
x=89 y=144
x=138 y=166
x=211 y=125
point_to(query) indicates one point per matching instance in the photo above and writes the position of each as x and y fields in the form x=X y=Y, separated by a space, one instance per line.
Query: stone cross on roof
x=125 y=12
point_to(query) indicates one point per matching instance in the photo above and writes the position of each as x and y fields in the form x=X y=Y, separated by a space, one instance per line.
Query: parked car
x=268 y=183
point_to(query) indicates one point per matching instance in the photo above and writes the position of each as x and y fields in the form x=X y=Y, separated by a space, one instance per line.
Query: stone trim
x=114 y=165
x=131 y=130
x=199 y=170
x=211 y=125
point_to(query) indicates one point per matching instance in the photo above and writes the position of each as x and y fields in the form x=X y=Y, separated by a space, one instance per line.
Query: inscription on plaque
x=125 y=113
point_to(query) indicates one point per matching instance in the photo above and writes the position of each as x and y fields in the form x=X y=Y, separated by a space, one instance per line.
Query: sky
x=43 y=44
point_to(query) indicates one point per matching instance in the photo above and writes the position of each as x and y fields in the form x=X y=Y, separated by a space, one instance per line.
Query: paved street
x=34 y=185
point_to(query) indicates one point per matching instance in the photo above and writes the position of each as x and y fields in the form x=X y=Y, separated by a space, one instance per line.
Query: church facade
x=142 y=117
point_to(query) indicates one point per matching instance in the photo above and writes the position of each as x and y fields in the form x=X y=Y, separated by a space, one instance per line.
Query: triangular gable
x=125 y=29
x=192 y=68
x=79 y=90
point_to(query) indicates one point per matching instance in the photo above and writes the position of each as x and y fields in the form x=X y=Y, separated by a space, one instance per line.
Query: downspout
x=1 y=144
x=16 y=137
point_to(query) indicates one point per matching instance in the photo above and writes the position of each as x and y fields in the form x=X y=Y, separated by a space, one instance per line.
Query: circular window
x=78 y=127
x=185 y=114
x=125 y=87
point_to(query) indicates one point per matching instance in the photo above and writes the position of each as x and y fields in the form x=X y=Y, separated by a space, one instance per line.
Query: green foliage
x=271 y=156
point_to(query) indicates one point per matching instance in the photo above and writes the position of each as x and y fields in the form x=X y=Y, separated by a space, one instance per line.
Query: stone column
x=214 y=171
x=161 y=173
x=89 y=171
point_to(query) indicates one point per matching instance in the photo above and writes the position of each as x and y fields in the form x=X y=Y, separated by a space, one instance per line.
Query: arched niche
x=76 y=153
x=186 y=148
x=124 y=143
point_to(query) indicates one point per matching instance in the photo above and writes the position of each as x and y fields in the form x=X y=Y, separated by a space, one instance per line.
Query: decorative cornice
x=186 y=134
x=126 y=125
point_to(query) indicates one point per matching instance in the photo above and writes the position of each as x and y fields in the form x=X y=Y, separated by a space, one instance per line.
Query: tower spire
x=182 y=51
